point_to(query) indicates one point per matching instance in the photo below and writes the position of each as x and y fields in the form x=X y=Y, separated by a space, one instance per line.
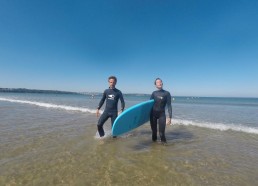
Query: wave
x=217 y=126
x=52 y=106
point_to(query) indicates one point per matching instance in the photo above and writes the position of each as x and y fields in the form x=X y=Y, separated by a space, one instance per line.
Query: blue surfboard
x=132 y=118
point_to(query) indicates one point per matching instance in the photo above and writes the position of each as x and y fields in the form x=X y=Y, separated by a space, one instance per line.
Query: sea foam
x=217 y=126
x=51 y=105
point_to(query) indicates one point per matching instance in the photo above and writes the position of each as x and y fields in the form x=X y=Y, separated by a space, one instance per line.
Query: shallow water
x=56 y=146
x=53 y=147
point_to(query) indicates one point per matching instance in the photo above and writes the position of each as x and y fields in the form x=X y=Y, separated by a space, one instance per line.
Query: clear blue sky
x=198 y=47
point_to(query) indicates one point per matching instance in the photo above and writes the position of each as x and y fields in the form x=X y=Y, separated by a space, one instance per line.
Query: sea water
x=51 y=139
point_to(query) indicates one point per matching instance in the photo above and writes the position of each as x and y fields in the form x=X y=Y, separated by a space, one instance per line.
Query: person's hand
x=169 y=121
x=97 y=112
x=119 y=112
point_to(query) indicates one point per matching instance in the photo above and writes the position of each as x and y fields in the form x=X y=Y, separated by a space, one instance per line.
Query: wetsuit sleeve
x=152 y=96
x=169 y=105
x=122 y=101
x=102 y=100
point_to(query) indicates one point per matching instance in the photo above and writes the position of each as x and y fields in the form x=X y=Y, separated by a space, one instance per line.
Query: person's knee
x=100 y=124
x=101 y=121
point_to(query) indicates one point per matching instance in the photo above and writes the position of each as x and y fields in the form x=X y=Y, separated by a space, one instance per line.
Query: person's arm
x=122 y=102
x=101 y=103
x=152 y=96
x=169 y=108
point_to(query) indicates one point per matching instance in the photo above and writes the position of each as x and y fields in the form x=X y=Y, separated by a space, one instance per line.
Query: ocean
x=51 y=139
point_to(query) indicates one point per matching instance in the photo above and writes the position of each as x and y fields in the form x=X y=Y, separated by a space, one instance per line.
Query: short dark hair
x=112 y=77
x=156 y=80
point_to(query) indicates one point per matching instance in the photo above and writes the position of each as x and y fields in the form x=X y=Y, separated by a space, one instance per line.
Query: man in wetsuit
x=162 y=98
x=111 y=95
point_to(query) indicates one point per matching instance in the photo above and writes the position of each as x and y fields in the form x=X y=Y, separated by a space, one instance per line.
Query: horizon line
x=96 y=92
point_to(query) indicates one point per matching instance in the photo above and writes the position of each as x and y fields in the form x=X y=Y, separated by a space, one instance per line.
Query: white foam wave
x=217 y=126
x=52 y=106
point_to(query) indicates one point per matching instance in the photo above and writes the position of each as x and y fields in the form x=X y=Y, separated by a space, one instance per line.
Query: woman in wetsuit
x=162 y=98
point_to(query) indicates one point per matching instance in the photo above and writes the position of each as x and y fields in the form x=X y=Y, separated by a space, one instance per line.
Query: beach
x=50 y=139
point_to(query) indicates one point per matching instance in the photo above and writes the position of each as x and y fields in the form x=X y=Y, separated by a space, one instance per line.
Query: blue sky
x=198 y=47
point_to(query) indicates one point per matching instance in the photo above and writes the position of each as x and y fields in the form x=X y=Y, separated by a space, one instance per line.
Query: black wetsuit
x=161 y=99
x=111 y=96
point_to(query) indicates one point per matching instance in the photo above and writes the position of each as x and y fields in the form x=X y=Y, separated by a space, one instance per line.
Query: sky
x=197 y=47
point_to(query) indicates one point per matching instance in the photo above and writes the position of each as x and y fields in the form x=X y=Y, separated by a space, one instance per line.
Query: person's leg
x=103 y=118
x=162 y=127
x=153 y=123
x=113 y=118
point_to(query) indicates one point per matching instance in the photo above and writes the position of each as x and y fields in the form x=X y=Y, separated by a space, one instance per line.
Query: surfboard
x=132 y=118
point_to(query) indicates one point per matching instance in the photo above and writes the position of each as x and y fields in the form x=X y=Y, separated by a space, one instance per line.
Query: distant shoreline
x=24 y=90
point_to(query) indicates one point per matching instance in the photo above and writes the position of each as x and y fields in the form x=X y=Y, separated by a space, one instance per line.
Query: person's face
x=159 y=84
x=112 y=83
